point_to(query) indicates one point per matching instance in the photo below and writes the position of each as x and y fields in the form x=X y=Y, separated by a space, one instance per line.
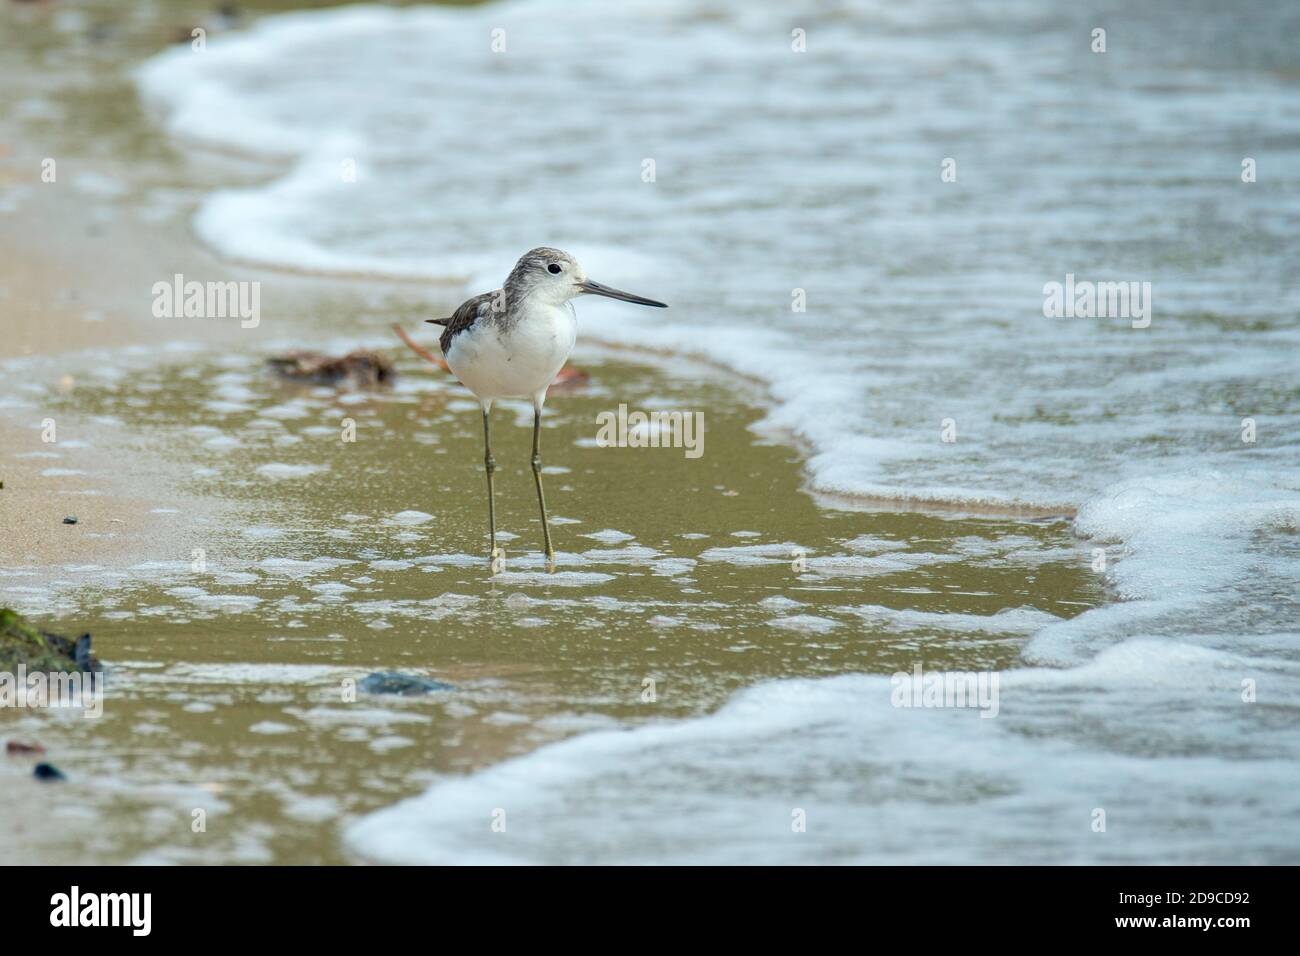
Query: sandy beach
x=917 y=474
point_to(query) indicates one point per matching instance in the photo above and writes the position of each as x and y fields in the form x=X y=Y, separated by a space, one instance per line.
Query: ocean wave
x=875 y=783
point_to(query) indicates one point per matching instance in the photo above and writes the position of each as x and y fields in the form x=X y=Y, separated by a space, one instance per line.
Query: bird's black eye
x=553 y=268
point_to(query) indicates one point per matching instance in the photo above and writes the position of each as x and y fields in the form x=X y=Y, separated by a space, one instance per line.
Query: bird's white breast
x=518 y=359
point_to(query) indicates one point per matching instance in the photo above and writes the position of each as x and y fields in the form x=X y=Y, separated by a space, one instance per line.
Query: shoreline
x=115 y=524
x=340 y=533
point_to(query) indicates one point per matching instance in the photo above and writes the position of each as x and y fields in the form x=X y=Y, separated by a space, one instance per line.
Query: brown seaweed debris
x=360 y=367
x=16 y=748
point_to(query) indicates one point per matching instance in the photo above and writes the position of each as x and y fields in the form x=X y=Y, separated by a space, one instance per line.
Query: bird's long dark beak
x=595 y=288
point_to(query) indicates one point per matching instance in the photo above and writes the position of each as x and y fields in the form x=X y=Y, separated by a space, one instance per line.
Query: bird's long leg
x=490 y=465
x=537 y=478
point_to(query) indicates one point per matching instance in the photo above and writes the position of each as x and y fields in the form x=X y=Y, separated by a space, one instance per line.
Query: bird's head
x=553 y=276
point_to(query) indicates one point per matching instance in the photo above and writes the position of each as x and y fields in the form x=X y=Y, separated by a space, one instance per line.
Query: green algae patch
x=21 y=643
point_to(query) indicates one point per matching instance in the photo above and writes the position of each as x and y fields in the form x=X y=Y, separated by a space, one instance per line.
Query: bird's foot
x=498 y=560
x=550 y=562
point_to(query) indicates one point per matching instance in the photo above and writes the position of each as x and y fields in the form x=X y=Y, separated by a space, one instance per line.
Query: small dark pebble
x=406 y=685
x=70 y=519
x=47 y=771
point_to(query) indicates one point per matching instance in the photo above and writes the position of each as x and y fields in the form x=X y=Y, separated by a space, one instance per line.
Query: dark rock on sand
x=405 y=685
x=40 y=651
x=47 y=771
x=70 y=519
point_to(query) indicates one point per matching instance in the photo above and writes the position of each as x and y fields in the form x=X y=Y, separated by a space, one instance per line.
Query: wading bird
x=511 y=342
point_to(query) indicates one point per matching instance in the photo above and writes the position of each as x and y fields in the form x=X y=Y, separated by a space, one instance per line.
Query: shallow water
x=1173 y=707
x=228 y=683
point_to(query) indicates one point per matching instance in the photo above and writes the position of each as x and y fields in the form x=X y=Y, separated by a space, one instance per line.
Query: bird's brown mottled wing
x=469 y=312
